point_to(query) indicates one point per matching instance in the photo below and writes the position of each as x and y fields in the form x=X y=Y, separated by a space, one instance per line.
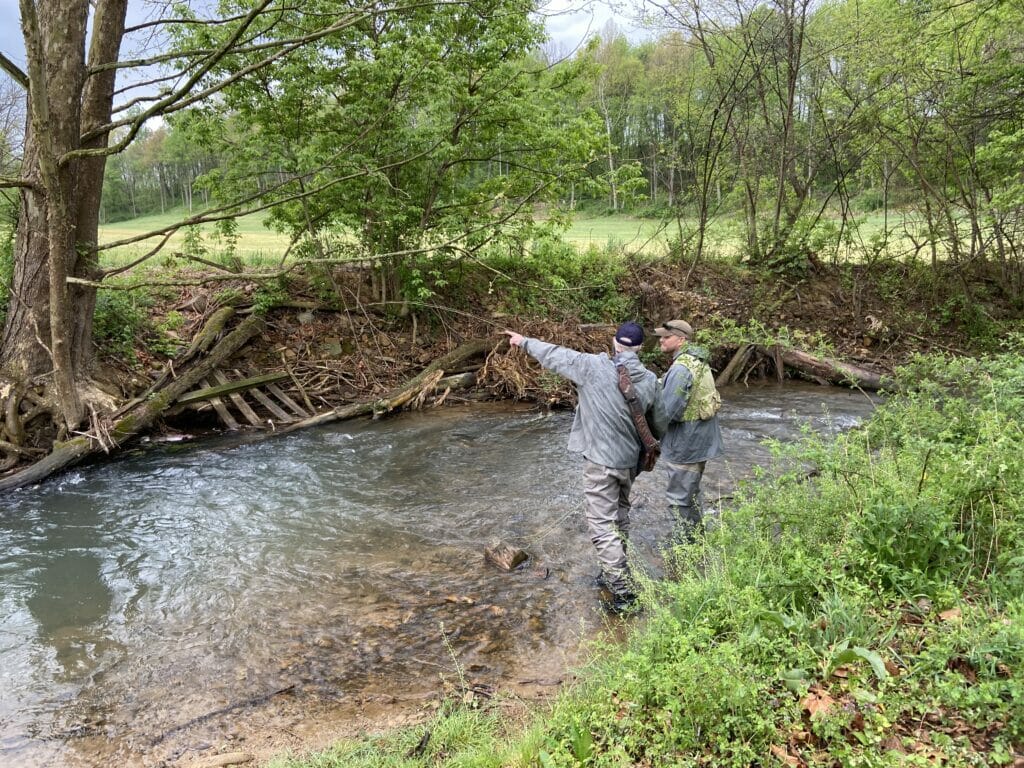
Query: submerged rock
x=505 y=556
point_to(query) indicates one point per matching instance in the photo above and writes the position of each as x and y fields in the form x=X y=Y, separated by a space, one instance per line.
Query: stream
x=273 y=594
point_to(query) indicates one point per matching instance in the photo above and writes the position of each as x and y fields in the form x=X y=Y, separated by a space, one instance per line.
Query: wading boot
x=623 y=604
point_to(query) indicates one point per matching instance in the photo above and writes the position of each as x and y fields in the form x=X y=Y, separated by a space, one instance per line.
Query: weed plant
x=122 y=319
x=553 y=277
x=871 y=614
x=7 y=222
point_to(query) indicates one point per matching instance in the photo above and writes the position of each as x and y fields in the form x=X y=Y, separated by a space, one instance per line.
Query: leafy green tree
x=430 y=131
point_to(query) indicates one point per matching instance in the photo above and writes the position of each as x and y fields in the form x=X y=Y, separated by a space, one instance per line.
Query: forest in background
x=792 y=120
x=787 y=123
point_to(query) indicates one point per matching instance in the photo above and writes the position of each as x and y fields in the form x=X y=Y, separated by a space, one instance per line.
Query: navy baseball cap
x=630 y=335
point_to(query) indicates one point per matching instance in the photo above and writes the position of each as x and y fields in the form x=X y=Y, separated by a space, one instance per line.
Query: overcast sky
x=10 y=32
x=569 y=22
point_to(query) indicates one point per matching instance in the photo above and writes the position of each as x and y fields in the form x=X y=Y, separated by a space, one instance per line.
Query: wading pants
x=606 y=495
x=683 y=502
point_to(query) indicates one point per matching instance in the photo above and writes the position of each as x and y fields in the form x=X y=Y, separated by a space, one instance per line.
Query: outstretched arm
x=562 y=360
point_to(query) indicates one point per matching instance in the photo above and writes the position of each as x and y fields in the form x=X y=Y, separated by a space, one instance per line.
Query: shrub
x=122 y=326
x=552 y=274
x=118 y=321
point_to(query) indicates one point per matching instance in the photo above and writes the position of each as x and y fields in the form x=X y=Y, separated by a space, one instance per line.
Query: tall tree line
x=792 y=113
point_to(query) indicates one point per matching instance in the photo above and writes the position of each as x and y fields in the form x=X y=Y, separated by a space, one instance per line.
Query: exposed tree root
x=103 y=434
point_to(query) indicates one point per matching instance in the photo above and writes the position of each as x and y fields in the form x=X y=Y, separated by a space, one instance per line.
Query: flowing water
x=167 y=604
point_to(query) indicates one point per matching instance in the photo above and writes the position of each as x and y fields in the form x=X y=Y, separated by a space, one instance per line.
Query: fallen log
x=138 y=418
x=732 y=371
x=830 y=371
x=213 y=327
x=231 y=387
x=425 y=380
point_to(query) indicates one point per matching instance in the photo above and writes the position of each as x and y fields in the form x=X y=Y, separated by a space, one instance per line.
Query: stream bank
x=190 y=359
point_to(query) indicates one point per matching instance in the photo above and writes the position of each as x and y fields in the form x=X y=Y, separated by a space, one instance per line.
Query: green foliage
x=122 y=325
x=725 y=331
x=119 y=320
x=7 y=220
x=270 y=294
x=869 y=200
x=420 y=130
x=809 y=238
x=553 y=276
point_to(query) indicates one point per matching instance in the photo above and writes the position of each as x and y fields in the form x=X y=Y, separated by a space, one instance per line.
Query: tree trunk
x=49 y=327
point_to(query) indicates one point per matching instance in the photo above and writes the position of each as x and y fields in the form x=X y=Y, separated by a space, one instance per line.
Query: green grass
x=630 y=233
x=255 y=243
x=871 y=617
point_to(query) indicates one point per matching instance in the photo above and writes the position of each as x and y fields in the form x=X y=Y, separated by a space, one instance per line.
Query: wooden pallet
x=223 y=395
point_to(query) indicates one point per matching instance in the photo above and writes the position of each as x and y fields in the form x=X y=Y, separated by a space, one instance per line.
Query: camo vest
x=704 y=399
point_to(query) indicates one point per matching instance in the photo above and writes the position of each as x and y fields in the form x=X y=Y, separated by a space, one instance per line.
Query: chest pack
x=704 y=399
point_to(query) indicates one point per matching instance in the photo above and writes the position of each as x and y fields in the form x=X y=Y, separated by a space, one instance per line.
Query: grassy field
x=257 y=244
x=628 y=232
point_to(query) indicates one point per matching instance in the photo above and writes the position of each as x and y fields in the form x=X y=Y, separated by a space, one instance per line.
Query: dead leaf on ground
x=964 y=667
x=817 y=702
x=893 y=743
x=783 y=755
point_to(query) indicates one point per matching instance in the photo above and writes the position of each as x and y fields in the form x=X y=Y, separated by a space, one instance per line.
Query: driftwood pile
x=186 y=383
x=198 y=379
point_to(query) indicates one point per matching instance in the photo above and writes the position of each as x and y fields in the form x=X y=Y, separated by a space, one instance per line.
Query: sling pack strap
x=650 y=448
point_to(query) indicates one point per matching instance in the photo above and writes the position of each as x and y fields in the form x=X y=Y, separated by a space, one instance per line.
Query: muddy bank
x=335 y=350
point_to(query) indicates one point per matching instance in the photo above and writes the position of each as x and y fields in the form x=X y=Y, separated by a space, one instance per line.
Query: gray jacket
x=685 y=442
x=603 y=429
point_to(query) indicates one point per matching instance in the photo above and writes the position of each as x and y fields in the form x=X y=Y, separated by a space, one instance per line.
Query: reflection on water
x=147 y=602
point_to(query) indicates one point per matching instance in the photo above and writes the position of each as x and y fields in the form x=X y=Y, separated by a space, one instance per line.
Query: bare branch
x=160 y=106
x=161 y=23
x=11 y=182
x=180 y=99
x=12 y=69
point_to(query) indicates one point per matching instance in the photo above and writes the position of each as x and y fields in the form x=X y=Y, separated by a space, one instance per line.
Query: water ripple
x=326 y=559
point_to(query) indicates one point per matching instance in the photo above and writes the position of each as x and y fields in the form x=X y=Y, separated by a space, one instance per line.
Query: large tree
x=420 y=95
x=422 y=133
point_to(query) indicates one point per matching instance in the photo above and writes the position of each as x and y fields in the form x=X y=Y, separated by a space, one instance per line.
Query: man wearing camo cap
x=688 y=403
